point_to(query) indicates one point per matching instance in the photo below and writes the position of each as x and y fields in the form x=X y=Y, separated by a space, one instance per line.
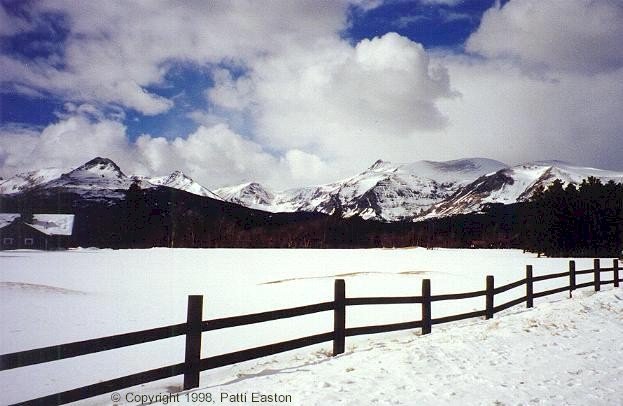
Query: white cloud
x=230 y=93
x=69 y=142
x=512 y=116
x=116 y=49
x=214 y=156
x=409 y=20
x=580 y=36
x=327 y=99
x=304 y=168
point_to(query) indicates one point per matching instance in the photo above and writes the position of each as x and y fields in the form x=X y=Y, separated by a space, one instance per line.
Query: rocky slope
x=516 y=184
x=98 y=179
x=385 y=191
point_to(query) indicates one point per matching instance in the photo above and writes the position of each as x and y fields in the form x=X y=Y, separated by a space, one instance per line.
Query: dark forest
x=572 y=221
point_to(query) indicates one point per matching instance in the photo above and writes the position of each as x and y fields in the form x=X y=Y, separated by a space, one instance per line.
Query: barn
x=41 y=231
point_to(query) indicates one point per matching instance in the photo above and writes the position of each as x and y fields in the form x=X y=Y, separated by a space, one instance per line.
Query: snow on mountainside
x=98 y=179
x=177 y=180
x=385 y=191
x=250 y=194
x=28 y=180
x=516 y=184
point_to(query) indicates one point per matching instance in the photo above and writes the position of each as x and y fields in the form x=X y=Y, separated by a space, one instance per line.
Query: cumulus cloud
x=549 y=86
x=230 y=93
x=115 y=50
x=69 y=142
x=214 y=156
x=579 y=36
x=327 y=99
x=510 y=115
x=303 y=167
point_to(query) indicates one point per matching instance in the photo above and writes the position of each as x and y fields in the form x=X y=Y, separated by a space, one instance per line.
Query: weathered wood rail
x=195 y=325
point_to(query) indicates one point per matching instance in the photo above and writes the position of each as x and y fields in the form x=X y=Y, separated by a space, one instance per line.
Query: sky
x=294 y=93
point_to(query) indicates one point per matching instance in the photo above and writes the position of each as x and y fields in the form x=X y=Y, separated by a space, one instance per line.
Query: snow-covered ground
x=568 y=352
x=563 y=351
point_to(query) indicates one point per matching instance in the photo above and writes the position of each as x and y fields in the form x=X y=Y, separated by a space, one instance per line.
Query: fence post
x=193 y=341
x=339 y=317
x=615 y=267
x=529 y=287
x=489 y=309
x=597 y=279
x=571 y=278
x=426 y=307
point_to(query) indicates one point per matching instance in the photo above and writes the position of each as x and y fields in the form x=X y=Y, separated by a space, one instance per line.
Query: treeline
x=575 y=221
x=583 y=221
x=572 y=221
x=169 y=217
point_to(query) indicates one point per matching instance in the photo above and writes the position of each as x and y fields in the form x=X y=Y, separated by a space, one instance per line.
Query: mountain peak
x=250 y=194
x=177 y=175
x=179 y=180
x=253 y=185
x=99 y=161
x=101 y=165
x=379 y=164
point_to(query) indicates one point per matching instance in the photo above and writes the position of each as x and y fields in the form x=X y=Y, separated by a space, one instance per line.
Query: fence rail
x=195 y=325
x=237 y=321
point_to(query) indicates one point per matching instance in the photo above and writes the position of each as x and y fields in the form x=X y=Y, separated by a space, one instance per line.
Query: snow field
x=566 y=352
x=58 y=297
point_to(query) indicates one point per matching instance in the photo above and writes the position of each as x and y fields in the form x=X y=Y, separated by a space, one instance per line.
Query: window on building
x=7 y=241
x=29 y=241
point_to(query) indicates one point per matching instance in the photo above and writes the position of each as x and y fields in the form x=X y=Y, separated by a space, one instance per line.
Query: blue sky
x=236 y=91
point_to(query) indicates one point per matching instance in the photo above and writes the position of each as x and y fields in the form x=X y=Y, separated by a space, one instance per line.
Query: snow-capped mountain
x=250 y=194
x=98 y=179
x=28 y=180
x=178 y=180
x=516 y=184
x=385 y=191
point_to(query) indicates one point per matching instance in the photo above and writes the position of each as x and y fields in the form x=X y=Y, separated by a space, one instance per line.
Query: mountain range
x=385 y=191
x=98 y=179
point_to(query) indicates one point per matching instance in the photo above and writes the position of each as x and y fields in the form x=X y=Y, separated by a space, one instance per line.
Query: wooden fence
x=195 y=326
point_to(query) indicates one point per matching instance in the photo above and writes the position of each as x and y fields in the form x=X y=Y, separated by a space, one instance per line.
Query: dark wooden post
x=426 y=307
x=529 y=287
x=597 y=279
x=193 y=341
x=489 y=309
x=615 y=267
x=339 y=317
x=571 y=278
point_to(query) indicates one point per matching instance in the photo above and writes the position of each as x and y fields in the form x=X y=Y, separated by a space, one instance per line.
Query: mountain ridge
x=385 y=191
x=98 y=179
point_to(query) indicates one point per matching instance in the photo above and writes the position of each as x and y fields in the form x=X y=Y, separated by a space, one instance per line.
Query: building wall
x=21 y=236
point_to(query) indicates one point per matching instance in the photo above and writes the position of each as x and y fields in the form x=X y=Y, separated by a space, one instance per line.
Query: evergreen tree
x=584 y=221
x=137 y=216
